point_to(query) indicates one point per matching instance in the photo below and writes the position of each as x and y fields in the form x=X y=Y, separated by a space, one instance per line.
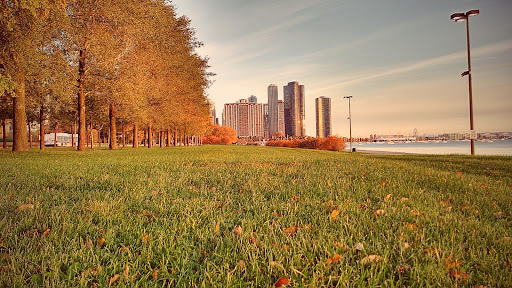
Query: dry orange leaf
x=459 y=173
x=113 y=279
x=101 y=241
x=291 y=230
x=88 y=243
x=295 y=199
x=334 y=215
x=254 y=241
x=145 y=238
x=459 y=275
x=238 y=230
x=281 y=282
x=155 y=275
x=380 y=212
x=383 y=184
x=449 y=263
x=415 y=212
x=371 y=259
x=124 y=250
x=25 y=207
x=126 y=271
x=334 y=259
x=46 y=232
x=217 y=229
x=387 y=198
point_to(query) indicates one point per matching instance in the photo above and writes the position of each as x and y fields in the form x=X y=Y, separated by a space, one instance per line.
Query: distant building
x=252 y=99
x=247 y=119
x=323 y=117
x=273 y=109
x=294 y=109
x=280 y=108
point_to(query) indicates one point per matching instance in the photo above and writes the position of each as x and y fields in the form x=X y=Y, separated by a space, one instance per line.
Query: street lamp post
x=350 y=120
x=461 y=17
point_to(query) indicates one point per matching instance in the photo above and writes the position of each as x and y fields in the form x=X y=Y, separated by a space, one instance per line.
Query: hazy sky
x=400 y=59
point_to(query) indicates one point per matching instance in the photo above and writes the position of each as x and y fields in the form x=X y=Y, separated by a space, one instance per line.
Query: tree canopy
x=133 y=61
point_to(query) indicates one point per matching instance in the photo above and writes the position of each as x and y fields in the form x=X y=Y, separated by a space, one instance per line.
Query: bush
x=221 y=135
x=331 y=143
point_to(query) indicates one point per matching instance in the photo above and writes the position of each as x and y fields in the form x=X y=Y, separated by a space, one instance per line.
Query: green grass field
x=240 y=216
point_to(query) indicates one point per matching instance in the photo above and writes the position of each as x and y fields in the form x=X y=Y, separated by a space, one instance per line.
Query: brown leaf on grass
x=295 y=199
x=364 y=207
x=380 y=212
x=485 y=186
x=124 y=250
x=126 y=273
x=411 y=226
x=334 y=215
x=371 y=259
x=387 y=198
x=254 y=241
x=291 y=230
x=145 y=238
x=217 y=229
x=149 y=216
x=238 y=230
x=459 y=275
x=101 y=241
x=459 y=173
x=155 y=275
x=415 y=212
x=447 y=202
x=450 y=263
x=276 y=214
x=383 y=184
x=92 y=271
x=282 y=282
x=242 y=265
x=464 y=207
x=25 y=207
x=88 y=243
x=113 y=279
x=358 y=247
x=334 y=259
x=46 y=232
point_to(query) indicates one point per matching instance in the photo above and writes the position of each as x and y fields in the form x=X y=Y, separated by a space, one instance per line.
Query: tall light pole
x=350 y=120
x=461 y=17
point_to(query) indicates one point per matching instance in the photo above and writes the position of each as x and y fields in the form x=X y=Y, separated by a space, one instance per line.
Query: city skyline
x=401 y=61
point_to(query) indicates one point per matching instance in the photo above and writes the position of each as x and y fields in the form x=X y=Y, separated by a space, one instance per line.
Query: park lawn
x=246 y=216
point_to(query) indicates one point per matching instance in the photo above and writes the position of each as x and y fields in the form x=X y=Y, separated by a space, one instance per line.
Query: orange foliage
x=221 y=135
x=331 y=143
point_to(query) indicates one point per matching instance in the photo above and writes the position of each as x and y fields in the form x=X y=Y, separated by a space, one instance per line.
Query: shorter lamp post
x=350 y=120
x=461 y=17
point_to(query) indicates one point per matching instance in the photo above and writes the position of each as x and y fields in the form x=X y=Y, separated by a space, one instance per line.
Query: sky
x=401 y=60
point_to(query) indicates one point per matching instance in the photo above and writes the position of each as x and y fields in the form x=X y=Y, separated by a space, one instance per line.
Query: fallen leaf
x=291 y=230
x=113 y=279
x=213 y=189
x=101 y=241
x=155 y=275
x=217 y=229
x=295 y=199
x=411 y=226
x=485 y=186
x=124 y=250
x=126 y=273
x=145 y=238
x=359 y=247
x=380 y=212
x=387 y=198
x=238 y=230
x=254 y=241
x=364 y=207
x=463 y=207
x=404 y=199
x=276 y=214
x=281 y=282
x=371 y=259
x=334 y=259
x=286 y=247
x=449 y=263
x=383 y=184
x=25 y=207
x=459 y=173
x=415 y=212
x=88 y=243
x=334 y=215
x=459 y=275
x=46 y=232
x=406 y=246
x=241 y=265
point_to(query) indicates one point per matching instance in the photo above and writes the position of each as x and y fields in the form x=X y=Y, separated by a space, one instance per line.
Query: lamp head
x=458 y=17
x=472 y=12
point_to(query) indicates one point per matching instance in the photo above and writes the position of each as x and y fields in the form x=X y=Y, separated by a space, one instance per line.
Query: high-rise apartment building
x=294 y=109
x=280 y=108
x=273 y=109
x=323 y=116
x=247 y=119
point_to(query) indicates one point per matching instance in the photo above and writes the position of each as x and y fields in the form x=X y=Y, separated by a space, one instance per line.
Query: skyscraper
x=294 y=110
x=247 y=119
x=273 y=109
x=323 y=117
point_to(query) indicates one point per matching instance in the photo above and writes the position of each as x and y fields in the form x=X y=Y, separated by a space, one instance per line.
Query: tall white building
x=273 y=109
x=247 y=119
x=323 y=117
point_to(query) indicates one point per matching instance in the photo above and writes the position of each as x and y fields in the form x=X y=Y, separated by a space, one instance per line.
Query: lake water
x=498 y=147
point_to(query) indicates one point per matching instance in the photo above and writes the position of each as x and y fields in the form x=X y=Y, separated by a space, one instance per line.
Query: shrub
x=331 y=143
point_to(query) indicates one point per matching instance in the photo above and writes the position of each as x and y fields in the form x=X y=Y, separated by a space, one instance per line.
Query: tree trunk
x=55 y=137
x=175 y=138
x=145 y=140
x=19 y=116
x=81 y=101
x=123 y=128
x=92 y=137
x=29 y=136
x=168 y=138
x=4 y=130
x=113 y=132
x=150 y=137
x=161 y=138
x=135 y=136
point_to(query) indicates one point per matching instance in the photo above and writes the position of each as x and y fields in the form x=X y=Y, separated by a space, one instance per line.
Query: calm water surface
x=498 y=147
